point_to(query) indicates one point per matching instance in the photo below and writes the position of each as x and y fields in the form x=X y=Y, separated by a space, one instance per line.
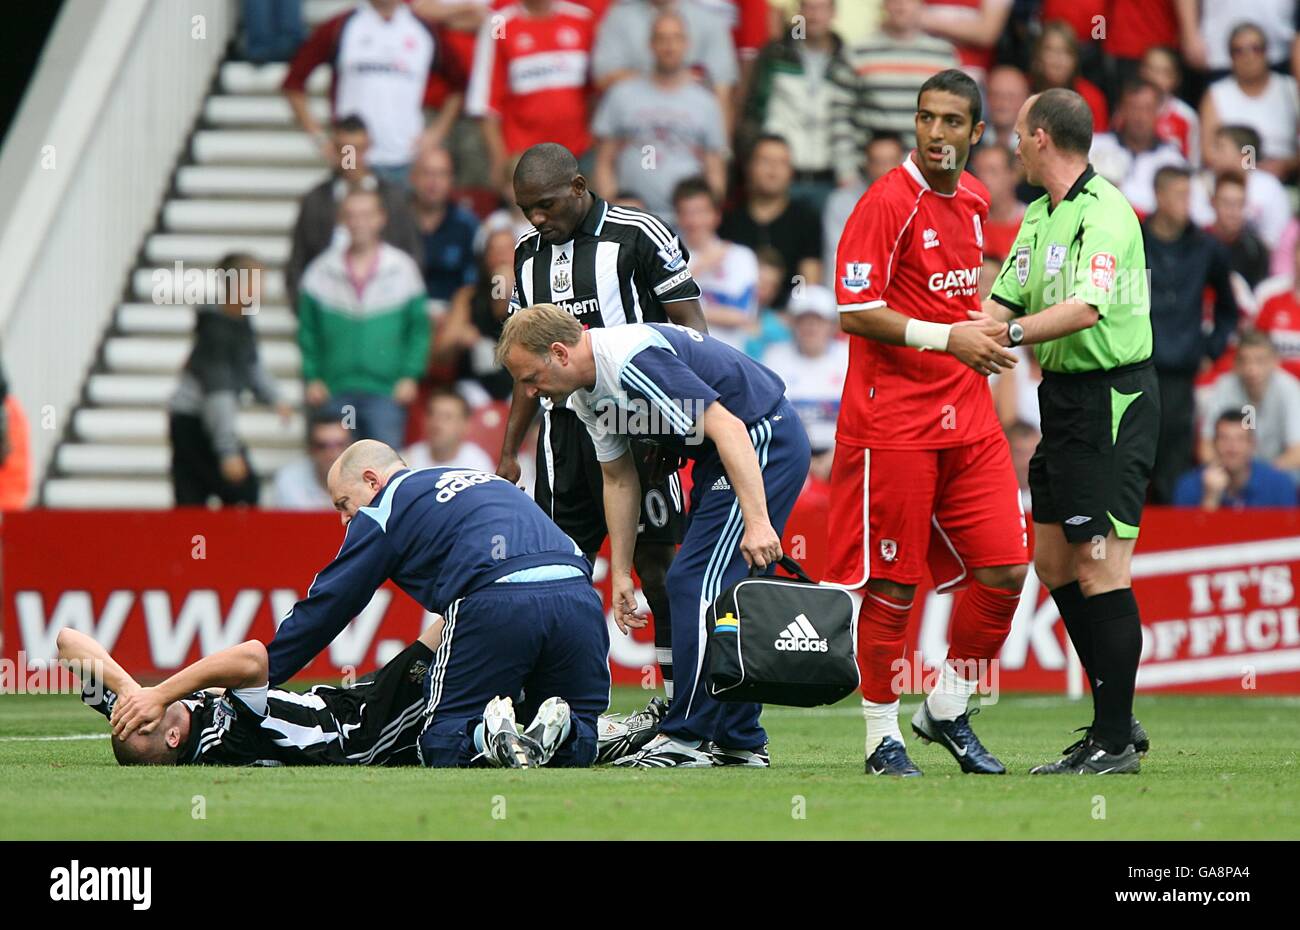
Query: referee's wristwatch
x=1015 y=333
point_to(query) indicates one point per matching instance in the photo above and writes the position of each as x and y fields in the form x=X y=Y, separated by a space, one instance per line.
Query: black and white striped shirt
x=623 y=265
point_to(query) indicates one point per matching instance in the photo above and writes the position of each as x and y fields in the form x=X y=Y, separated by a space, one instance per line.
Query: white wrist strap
x=921 y=334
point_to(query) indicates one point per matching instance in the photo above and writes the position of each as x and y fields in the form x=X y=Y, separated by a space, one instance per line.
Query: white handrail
x=85 y=169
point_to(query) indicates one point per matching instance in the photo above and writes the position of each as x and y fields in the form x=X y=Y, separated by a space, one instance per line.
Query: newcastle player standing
x=607 y=266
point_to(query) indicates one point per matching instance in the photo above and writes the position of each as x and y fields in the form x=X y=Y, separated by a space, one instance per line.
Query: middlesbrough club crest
x=888 y=550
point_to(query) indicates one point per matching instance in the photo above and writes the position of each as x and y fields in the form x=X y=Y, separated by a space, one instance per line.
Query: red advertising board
x=1220 y=606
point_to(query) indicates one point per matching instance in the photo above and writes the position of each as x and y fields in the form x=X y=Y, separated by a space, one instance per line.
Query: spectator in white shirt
x=623 y=51
x=446 y=422
x=1268 y=205
x=1268 y=398
x=300 y=485
x=1208 y=48
x=382 y=56
x=726 y=272
x=813 y=367
x=1132 y=153
x=1255 y=96
x=654 y=131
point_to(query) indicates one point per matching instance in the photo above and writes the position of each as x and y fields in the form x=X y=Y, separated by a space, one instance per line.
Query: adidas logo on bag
x=800 y=636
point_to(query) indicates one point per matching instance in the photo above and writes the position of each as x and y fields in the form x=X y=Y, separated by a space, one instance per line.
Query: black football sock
x=1116 y=651
x=1070 y=603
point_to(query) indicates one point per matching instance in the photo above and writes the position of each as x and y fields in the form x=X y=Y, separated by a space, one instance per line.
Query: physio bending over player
x=522 y=619
x=729 y=414
x=221 y=711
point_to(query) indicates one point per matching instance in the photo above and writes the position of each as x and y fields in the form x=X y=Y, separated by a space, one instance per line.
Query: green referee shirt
x=1088 y=248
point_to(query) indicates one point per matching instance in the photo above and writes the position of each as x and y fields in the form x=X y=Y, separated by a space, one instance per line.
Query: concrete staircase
x=237 y=188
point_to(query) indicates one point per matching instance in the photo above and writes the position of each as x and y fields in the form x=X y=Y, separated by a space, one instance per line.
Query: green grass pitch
x=1220 y=768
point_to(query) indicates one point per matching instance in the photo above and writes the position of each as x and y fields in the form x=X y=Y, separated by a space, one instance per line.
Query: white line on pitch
x=52 y=739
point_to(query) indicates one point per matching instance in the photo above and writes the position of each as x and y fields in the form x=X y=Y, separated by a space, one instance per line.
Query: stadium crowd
x=753 y=127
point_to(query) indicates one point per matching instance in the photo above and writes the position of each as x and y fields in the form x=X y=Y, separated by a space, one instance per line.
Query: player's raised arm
x=236 y=667
x=95 y=666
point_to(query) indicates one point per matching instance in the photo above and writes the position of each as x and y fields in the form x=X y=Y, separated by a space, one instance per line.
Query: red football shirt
x=1079 y=15
x=535 y=76
x=1279 y=316
x=920 y=253
x=1137 y=25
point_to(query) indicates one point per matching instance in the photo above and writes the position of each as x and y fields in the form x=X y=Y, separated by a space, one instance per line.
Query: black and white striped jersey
x=376 y=721
x=623 y=265
x=224 y=727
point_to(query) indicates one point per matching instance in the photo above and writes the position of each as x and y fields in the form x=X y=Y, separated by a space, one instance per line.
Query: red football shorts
x=903 y=509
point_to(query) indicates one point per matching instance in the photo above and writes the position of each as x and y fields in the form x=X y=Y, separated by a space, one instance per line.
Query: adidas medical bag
x=782 y=641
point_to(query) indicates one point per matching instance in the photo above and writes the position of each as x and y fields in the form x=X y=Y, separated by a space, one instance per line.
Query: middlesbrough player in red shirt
x=922 y=472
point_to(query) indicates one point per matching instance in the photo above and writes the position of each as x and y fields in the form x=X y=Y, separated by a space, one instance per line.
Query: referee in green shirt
x=1075 y=288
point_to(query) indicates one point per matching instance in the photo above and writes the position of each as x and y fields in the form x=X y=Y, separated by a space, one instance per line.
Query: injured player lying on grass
x=220 y=711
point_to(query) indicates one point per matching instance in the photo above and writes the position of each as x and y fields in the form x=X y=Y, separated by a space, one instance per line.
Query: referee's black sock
x=1070 y=602
x=1116 y=651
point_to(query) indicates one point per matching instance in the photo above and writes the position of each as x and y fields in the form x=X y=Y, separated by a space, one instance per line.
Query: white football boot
x=549 y=729
x=499 y=740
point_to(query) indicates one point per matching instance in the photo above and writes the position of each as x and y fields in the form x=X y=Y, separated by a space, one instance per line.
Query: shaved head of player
x=359 y=474
x=551 y=192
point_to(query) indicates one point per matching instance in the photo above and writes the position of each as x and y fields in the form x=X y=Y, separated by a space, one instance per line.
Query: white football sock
x=951 y=694
x=882 y=721
x=665 y=659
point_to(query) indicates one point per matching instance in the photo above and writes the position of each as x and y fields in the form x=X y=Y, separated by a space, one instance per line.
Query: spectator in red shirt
x=530 y=80
x=1134 y=26
x=1279 y=318
x=996 y=167
x=1055 y=63
x=974 y=26
x=382 y=56
x=1084 y=17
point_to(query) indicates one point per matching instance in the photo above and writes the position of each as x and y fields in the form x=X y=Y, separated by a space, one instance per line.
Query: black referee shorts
x=1091 y=469
x=381 y=716
x=571 y=488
